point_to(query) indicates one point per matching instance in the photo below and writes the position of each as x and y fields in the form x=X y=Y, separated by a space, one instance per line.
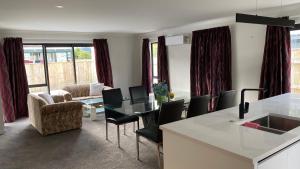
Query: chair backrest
x=226 y=100
x=137 y=93
x=198 y=106
x=112 y=96
x=170 y=112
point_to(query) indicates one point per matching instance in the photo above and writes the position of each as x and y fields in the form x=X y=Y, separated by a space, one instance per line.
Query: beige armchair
x=54 y=118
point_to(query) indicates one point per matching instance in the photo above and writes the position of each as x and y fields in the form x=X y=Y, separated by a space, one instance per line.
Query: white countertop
x=216 y=129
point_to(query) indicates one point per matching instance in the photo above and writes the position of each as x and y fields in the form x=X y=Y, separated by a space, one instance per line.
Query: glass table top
x=92 y=101
x=138 y=107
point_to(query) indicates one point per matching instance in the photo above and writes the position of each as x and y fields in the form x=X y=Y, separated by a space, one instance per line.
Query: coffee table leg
x=93 y=113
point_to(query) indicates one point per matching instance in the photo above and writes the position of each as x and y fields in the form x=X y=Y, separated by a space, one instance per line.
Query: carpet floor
x=22 y=147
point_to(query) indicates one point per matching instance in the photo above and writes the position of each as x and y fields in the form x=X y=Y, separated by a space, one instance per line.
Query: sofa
x=79 y=92
x=54 y=118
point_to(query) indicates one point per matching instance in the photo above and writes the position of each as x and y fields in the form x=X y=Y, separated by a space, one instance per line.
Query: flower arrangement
x=160 y=89
x=161 y=92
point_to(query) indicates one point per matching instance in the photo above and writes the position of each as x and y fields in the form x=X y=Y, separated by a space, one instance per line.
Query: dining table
x=147 y=108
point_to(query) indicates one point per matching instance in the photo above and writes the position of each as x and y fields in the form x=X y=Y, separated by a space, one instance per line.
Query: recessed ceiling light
x=59 y=6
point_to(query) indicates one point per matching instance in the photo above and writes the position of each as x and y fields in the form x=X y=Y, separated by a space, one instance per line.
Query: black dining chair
x=113 y=97
x=226 y=100
x=169 y=112
x=138 y=94
x=198 y=106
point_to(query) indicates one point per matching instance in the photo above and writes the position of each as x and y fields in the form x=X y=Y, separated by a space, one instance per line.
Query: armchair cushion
x=47 y=98
x=96 y=89
x=61 y=107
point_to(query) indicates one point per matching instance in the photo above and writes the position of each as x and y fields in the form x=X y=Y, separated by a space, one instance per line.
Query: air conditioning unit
x=177 y=40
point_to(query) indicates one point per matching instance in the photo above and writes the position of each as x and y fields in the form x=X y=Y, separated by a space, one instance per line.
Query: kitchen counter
x=223 y=130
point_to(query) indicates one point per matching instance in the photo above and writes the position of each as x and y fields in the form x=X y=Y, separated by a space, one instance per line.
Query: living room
x=59 y=58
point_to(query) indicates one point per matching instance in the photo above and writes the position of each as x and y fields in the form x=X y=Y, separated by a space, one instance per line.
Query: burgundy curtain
x=147 y=67
x=5 y=90
x=276 y=67
x=16 y=90
x=103 y=66
x=162 y=61
x=210 y=70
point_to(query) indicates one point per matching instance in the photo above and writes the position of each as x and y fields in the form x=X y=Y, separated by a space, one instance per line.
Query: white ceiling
x=134 y=16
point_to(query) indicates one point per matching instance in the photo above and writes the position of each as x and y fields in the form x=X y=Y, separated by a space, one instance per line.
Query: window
x=295 y=67
x=154 y=62
x=85 y=65
x=60 y=67
x=35 y=67
x=53 y=66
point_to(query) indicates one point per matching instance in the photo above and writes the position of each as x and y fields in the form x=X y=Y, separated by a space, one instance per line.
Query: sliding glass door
x=60 y=67
x=35 y=68
x=53 y=66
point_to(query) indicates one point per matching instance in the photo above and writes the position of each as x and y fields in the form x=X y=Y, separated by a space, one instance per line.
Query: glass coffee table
x=92 y=107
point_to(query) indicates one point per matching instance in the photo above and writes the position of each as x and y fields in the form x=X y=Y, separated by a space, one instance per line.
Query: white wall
x=179 y=67
x=123 y=48
x=248 y=41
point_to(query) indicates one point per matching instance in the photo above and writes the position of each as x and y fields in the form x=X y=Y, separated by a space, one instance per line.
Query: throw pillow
x=96 y=89
x=47 y=98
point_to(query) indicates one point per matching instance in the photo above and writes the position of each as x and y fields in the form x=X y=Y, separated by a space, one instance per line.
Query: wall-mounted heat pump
x=177 y=40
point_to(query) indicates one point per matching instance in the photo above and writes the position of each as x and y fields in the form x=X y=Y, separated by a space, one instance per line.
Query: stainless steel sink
x=277 y=124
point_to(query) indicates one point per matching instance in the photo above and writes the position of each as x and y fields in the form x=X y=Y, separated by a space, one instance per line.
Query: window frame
x=152 y=63
x=44 y=47
x=297 y=28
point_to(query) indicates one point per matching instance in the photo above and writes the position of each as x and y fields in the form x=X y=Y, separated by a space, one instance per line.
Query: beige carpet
x=22 y=147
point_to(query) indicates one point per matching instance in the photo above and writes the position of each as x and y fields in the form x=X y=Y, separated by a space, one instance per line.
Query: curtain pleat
x=162 y=61
x=276 y=67
x=103 y=65
x=15 y=86
x=210 y=69
x=146 y=67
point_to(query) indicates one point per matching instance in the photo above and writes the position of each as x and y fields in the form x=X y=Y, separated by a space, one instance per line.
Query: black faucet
x=244 y=107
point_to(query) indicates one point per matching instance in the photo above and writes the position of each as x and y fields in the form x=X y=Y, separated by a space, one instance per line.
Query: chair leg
x=138 y=124
x=118 y=132
x=124 y=129
x=137 y=147
x=158 y=156
x=106 y=129
x=133 y=126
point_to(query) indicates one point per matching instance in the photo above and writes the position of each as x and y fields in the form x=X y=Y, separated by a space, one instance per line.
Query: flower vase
x=161 y=99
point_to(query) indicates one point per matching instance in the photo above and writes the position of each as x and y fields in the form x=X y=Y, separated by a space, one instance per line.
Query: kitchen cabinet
x=288 y=158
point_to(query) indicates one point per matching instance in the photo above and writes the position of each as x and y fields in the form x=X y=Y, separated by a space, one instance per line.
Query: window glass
x=85 y=65
x=60 y=67
x=34 y=64
x=43 y=89
x=154 y=62
x=295 y=67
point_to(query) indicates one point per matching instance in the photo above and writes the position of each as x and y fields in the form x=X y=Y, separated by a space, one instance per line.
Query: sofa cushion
x=96 y=89
x=81 y=90
x=84 y=98
x=47 y=98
